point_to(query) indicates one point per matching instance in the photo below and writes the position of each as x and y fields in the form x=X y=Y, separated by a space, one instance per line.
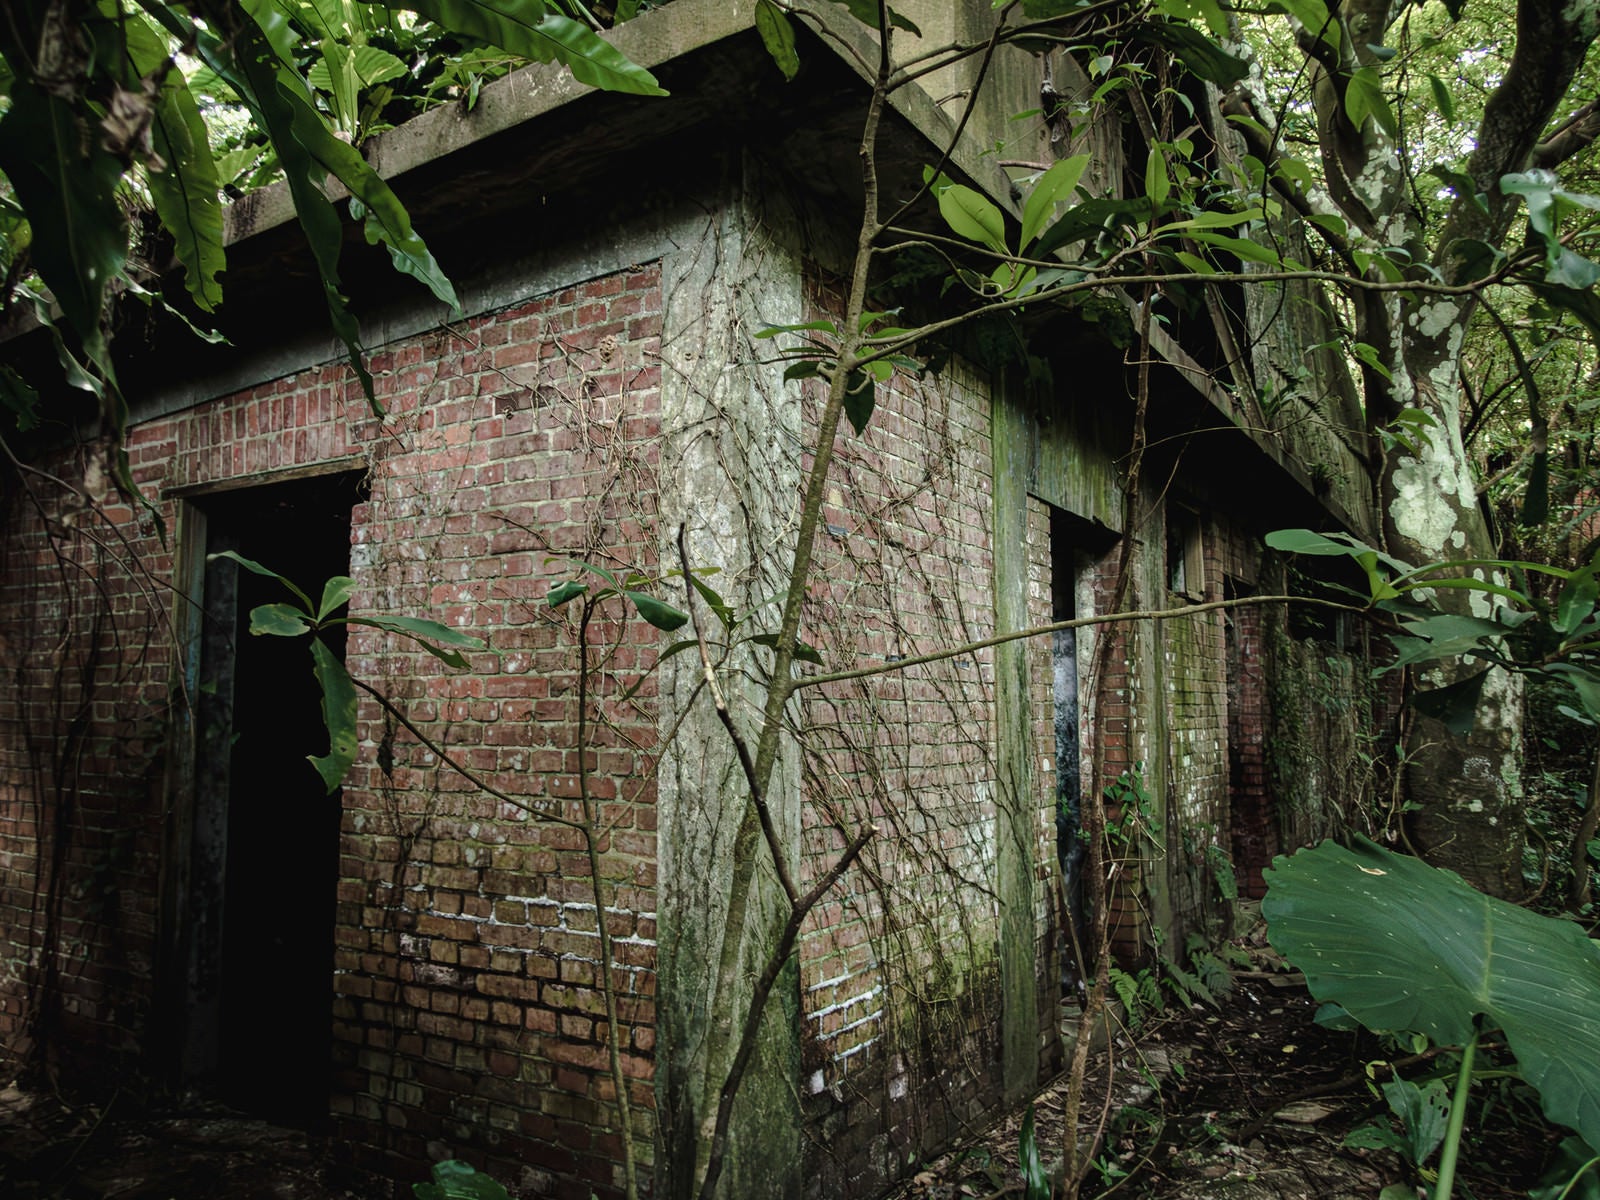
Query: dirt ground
x=1250 y=1101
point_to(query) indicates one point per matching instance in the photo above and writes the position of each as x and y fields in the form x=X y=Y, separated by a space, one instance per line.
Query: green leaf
x=563 y=592
x=1157 y=182
x=662 y=615
x=338 y=714
x=256 y=568
x=1241 y=248
x=1408 y=948
x=184 y=191
x=278 y=620
x=432 y=636
x=1089 y=218
x=334 y=593
x=1577 y=601
x=866 y=11
x=1584 y=680
x=1455 y=705
x=369 y=65
x=972 y=216
x=456 y=1180
x=822 y=326
x=1574 y=1175
x=860 y=397
x=714 y=600
x=1364 y=98
x=1209 y=11
x=250 y=63
x=1055 y=185
x=1368 y=354
x=19 y=398
x=1035 y=1179
x=1313 y=17
x=528 y=28
x=1194 y=50
x=1442 y=99
x=1213 y=220
x=66 y=182
x=802 y=651
x=777 y=35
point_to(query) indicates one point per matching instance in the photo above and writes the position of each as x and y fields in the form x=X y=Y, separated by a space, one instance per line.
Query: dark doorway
x=1075 y=545
x=264 y=843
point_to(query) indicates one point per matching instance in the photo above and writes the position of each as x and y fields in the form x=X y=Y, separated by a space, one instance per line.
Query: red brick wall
x=466 y=1014
x=898 y=975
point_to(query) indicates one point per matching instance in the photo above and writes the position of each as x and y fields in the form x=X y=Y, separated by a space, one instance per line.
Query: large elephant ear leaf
x=1403 y=946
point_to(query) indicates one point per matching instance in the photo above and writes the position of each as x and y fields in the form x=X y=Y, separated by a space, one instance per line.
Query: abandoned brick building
x=414 y=961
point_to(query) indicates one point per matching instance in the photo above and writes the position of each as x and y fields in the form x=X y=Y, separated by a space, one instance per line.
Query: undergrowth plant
x=1405 y=948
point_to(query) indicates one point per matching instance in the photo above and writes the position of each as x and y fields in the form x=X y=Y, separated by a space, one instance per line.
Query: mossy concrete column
x=1016 y=815
x=730 y=470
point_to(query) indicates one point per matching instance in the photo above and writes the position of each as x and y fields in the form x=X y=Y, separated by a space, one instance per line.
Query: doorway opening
x=263 y=837
x=1075 y=546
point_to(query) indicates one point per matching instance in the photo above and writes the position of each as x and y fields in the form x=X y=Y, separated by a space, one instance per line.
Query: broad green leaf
x=256 y=568
x=456 y=1180
x=777 y=35
x=184 y=190
x=563 y=592
x=335 y=592
x=1209 y=11
x=1194 y=263
x=338 y=715
x=714 y=600
x=806 y=368
x=972 y=216
x=660 y=614
x=278 y=620
x=66 y=182
x=1577 y=601
x=1036 y=1181
x=1455 y=705
x=19 y=398
x=1195 y=51
x=369 y=65
x=860 y=397
x=1055 y=185
x=250 y=63
x=1241 y=248
x=1408 y=948
x=1213 y=220
x=528 y=28
x=1330 y=223
x=1442 y=99
x=1584 y=679
x=1157 y=182
x=1368 y=354
x=866 y=11
x=1089 y=218
x=802 y=651
x=1313 y=17
x=1574 y=1175
x=820 y=326
x=432 y=636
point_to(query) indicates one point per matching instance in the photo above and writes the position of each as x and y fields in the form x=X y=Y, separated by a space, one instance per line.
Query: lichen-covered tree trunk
x=1465 y=786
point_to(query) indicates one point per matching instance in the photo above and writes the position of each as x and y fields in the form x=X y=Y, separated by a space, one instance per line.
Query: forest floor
x=1247 y=1101
x=1250 y=1100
